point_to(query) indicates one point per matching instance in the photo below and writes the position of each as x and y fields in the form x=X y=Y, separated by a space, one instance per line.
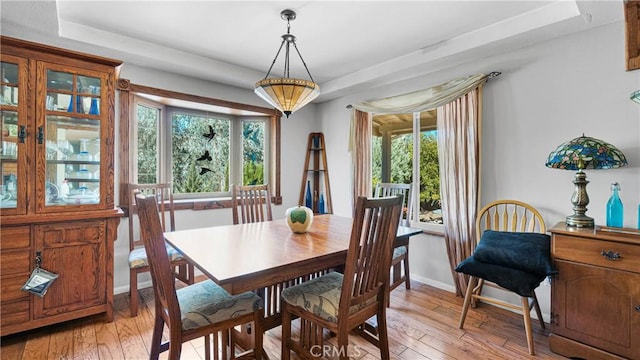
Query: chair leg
x=467 y=300
x=538 y=311
x=156 y=339
x=133 y=293
x=407 y=280
x=258 y=333
x=343 y=343
x=527 y=323
x=285 y=353
x=383 y=338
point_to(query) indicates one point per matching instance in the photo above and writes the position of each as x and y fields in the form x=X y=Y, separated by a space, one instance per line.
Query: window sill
x=430 y=229
x=212 y=203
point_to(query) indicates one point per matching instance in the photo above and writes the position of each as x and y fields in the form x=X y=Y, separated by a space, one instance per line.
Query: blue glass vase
x=321 y=204
x=614 y=207
x=94 y=110
x=308 y=200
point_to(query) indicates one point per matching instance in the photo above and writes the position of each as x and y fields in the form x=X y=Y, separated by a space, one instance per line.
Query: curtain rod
x=491 y=75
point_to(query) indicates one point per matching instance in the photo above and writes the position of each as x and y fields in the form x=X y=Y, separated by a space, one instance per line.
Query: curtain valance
x=425 y=99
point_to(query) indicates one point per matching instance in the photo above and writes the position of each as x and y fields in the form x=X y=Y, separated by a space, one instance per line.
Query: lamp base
x=580 y=221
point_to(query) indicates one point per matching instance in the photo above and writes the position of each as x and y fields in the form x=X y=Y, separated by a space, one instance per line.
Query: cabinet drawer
x=15 y=237
x=15 y=262
x=14 y=313
x=10 y=288
x=589 y=251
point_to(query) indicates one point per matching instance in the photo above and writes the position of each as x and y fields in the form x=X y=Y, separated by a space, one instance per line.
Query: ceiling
x=348 y=45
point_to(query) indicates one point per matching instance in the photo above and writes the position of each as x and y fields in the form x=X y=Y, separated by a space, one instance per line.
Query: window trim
x=127 y=91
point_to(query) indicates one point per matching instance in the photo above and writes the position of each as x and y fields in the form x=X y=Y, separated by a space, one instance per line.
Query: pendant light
x=287 y=94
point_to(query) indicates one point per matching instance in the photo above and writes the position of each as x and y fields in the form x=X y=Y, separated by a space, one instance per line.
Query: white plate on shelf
x=81 y=199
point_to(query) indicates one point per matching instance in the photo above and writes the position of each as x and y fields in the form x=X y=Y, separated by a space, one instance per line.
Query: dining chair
x=513 y=254
x=340 y=303
x=197 y=310
x=401 y=246
x=251 y=203
x=138 y=261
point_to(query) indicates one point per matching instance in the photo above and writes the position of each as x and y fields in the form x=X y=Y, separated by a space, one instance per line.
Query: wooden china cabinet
x=57 y=197
x=595 y=297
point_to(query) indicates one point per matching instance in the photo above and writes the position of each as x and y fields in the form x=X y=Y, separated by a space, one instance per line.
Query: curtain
x=360 y=148
x=459 y=156
x=458 y=103
x=422 y=100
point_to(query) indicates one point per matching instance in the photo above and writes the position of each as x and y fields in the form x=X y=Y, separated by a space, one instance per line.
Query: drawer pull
x=637 y=308
x=610 y=255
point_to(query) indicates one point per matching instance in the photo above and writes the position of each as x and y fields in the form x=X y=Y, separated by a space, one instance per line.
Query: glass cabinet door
x=13 y=124
x=71 y=133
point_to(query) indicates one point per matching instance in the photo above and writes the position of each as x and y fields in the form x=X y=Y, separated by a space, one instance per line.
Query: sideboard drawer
x=15 y=237
x=14 y=313
x=589 y=251
x=11 y=288
x=15 y=262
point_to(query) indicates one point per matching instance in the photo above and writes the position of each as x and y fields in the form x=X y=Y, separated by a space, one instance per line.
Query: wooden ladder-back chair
x=401 y=246
x=138 y=261
x=513 y=254
x=196 y=310
x=251 y=203
x=340 y=303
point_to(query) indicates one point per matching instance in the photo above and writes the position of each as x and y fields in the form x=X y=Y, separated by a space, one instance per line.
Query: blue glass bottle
x=614 y=207
x=308 y=200
x=321 y=204
x=93 y=110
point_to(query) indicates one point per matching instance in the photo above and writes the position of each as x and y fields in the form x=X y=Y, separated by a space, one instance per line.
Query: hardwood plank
x=130 y=339
x=13 y=347
x=107 y=341
x=37 y=346
x=61 y=342
x=85 y=346
x=422 y=324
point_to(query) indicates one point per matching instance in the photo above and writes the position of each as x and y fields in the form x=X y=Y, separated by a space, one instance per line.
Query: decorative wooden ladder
x=316 y=176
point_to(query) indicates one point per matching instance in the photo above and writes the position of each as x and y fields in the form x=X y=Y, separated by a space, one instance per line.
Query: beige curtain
x=459 y=155
x=422 y=100
x=360 y=148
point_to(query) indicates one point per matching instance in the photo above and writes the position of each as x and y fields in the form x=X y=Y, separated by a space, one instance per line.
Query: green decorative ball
x=299 y=219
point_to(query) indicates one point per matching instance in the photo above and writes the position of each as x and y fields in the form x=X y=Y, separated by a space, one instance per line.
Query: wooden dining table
x=267 y=255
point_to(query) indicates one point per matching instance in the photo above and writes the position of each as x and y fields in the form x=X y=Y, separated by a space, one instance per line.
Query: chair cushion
x=320 y=296
x=399 y=251
x=518 y=281
x=138 y=256
x=526 y=251
x=207 y=303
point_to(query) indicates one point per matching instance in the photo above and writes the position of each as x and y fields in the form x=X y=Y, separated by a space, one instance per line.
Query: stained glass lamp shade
x=579 y=154
x=285 y=93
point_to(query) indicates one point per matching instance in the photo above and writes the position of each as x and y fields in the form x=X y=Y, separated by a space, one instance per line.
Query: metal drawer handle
x=610 y=255
x=637 y=308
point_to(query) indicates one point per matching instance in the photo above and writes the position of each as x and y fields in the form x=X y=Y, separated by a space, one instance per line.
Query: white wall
x=547 y=94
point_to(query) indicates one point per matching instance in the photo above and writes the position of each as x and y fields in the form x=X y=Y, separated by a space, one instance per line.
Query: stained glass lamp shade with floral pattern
x=579 y=154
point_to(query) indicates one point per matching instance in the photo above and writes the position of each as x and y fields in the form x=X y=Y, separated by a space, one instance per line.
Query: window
x=198 y=150
x=200 y=145
x=393 y=157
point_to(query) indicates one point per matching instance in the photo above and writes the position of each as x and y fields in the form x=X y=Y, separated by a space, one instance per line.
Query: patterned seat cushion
x=320 y=296
x=206 y=303
x=138 y=256
x=399 y=251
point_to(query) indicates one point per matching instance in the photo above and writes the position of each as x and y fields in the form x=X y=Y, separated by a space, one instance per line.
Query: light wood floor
x=422 y=323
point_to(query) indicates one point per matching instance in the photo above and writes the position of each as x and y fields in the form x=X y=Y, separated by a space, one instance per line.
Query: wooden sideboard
x=57 y=209
x=595 y=298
